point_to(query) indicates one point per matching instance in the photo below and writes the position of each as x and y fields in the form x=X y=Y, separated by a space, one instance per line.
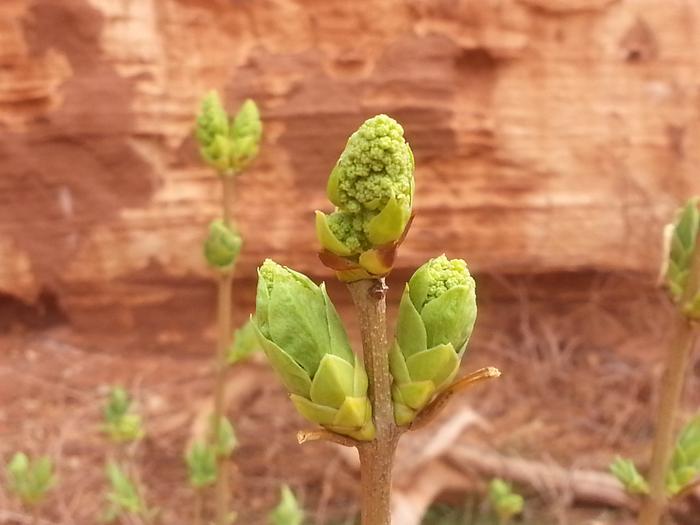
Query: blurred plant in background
x=121 y=423
x=288 y=511
x=30 y=478
x=229 y=144
x=124 y=499
x=673 y=471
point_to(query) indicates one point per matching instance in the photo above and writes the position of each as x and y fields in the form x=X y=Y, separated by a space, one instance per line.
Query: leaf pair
x=30 y=479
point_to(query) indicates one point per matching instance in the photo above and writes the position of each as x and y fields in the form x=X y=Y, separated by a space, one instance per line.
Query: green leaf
x=226 y=440
x=293 y=376
x=121 y=423
x=123 y=496
x=683 y=244
x=685 y=463
x=201 y=465
x=333 y=381
x=435 y=364
x=245 y=343
x=339 y=344
x=388 y=225
x=450 y=318
x=410 y=330
x=626 y=472
x=288 y=511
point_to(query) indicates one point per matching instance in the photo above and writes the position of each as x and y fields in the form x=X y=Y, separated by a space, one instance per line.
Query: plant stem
x=680 y=348
x=224 y=337
x=198 y=506
x=376 y=456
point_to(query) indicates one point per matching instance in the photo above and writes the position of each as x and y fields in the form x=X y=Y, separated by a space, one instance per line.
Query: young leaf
x=123 y=496
x=288 y=511
x=245 y=343
x=504 y=501
x=627 y=474
x=226 y=442
x=685 y=464
x=30 y=479
x=201 y=465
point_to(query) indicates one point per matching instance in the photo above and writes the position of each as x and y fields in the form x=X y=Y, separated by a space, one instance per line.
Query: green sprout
x=222 y=246
x=305 y=341
x=30 y=479
x=626 y=473
x=436 y=318
x=121 y=423
x=288 y=511
x=202 y=468
x=226 y=441
x=124 y=497
x=372 y=188
x=504 y=501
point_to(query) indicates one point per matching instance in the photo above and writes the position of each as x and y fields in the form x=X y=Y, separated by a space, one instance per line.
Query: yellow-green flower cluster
x=372 y=187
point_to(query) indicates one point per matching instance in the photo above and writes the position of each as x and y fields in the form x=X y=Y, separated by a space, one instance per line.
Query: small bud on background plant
x=222 y=246
x=372 y=188
x=683 y=239
x=201 y=465
x=229 y=145
x=121 y=423
x=288 y=511
x=436 y=317
x=305 y=341
x=226 y=442
x=504 y=502
x=123 y=497
x=626 y=473
x=30 y=479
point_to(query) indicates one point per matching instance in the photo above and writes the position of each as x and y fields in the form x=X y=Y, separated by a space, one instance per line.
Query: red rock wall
x=549 y=134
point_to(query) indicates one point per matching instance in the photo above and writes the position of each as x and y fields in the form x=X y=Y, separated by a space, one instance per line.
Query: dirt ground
x=580 y=354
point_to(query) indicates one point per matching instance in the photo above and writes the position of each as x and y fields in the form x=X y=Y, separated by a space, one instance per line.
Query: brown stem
x=224 y=337
x=376 y=456
x=680 y=348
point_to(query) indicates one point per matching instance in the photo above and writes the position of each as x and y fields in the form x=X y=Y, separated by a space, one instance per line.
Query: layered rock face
x=549 y=135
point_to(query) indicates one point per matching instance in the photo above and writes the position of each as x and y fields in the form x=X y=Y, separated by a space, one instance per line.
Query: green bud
x=121 y=423
x=372 y=187
x=246 y=132
x=226 y=441
x=305 y=341
x=202 y=468
x=626 y=473
x=229 y=145
x=222 y=246
x=124 y=496
x=685 y=464
x=681 y=239
x=30 y=479
x=436 y=318
x=504 y=501
x=288 y=512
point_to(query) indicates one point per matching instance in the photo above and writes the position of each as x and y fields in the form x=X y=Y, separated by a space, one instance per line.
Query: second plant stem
x=684 y=337
x=376 y=456
x=225 y=284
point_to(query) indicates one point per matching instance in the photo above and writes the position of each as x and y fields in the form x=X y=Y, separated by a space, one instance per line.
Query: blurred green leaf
x=682 y=241
x=123 y=496
x=685 y=464
x=288 y=511
x=626 y=472
x=201 y=465
x=226 y=441
x=245 y=343
x=30 y=479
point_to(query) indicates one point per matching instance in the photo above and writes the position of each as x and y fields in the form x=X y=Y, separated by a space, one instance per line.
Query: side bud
x=436 y=318
x=305 y=341
x=372 y=187
x=222 y=246
x=681 y=247
x=246 y=132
